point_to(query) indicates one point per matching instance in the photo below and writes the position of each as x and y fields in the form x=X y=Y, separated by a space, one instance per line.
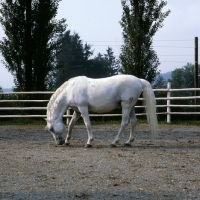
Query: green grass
x=22 y=121
x=186 y=122
x=94 y=121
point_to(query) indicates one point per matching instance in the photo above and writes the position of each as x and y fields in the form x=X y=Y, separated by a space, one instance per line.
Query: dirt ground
x=33 y=167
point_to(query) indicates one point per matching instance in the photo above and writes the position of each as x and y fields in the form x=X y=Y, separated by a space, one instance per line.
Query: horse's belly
x=102 y=107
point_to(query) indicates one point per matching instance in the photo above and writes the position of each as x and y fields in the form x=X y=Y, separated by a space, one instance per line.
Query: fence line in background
x=168 y=105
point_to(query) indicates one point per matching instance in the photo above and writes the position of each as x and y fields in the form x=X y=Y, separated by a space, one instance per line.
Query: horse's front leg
x=75 y=117
x=85 y=115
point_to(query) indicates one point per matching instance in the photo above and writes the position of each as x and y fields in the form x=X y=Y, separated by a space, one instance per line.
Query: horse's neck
x=58 y=108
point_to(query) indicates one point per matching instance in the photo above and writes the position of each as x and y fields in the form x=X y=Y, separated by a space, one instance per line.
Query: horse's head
x=56 y=129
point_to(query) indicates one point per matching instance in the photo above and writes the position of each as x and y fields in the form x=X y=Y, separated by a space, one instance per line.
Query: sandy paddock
x=32 y=167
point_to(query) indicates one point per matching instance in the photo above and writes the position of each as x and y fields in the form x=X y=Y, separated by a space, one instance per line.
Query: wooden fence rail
x=168 y=98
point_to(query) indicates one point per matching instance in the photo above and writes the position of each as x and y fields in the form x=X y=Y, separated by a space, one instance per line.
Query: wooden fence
x=167 y=98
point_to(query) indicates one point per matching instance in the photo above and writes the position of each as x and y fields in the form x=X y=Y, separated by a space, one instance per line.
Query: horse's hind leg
x=75 y=117
x=124 y=123
x=133 y=121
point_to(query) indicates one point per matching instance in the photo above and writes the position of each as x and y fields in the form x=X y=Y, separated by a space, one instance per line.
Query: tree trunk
x=138 y=41
x=28 y=48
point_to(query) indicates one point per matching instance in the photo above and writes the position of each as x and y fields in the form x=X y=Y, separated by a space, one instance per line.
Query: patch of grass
x=22 y=121
x=94 y=121
x=187 y=123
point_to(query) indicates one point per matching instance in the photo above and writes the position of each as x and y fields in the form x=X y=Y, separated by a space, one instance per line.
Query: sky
x=97 y=23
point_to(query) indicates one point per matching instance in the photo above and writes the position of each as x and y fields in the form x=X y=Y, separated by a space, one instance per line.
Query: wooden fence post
x=168 y=102
x=195 y=69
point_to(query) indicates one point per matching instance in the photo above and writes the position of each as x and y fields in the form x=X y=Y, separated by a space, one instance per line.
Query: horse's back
x=105 y=94
x=128 y=85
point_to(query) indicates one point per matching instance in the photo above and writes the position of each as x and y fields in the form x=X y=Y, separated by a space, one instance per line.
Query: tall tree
x=140 y=21
x=74 y=59
x=113 y=63
x=99 y=67
x=184 y=77
x=160 y=82
x=103 y=65
x=29 y=48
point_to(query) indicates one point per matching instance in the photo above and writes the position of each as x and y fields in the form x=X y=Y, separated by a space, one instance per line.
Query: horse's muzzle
x=61 y=141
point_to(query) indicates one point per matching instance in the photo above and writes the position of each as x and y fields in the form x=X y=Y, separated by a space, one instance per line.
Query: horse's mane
x=53 y=100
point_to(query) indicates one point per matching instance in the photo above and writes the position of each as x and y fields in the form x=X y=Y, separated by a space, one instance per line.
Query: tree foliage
x=160 y=82
x=140 y=21
x=74 y=59
x=103 y=65
x=184 y=78
x=113 y=63
x=31 y=42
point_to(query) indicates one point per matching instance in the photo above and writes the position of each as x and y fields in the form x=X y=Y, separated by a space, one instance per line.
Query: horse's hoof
x=127 y=144
x=88 y=145
x=66 y=143
x=112 y=145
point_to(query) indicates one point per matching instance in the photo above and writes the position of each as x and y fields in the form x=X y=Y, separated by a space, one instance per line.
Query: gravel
x=33 y=167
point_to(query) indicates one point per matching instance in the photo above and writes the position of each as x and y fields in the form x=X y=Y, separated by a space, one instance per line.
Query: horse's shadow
x=142 y=144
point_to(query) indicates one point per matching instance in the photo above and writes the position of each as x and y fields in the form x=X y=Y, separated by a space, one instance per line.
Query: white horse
x=84 y=94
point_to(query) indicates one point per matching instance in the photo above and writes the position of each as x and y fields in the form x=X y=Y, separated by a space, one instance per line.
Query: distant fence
x=13 y=97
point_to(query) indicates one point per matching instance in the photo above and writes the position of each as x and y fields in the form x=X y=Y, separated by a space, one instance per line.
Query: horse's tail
x=150 y=106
